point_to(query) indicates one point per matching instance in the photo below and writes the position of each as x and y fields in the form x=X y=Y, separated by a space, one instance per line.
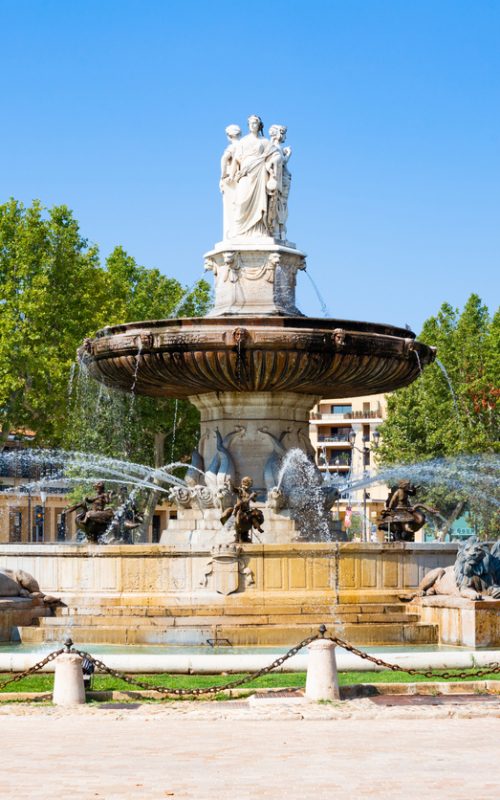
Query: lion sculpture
x=18 y=583
x=476 y=573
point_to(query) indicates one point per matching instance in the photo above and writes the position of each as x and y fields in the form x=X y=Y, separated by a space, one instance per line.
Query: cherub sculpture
x=245 y=516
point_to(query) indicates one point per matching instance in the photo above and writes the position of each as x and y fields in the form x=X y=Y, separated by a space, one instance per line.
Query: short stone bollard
x=68 y=681
x=322 y=681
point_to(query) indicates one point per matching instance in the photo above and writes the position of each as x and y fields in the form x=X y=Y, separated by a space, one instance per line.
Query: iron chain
x=430 y=673
x=35 y=668
x=170 y=690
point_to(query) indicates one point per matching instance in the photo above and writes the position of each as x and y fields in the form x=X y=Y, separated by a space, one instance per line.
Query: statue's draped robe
x=228 y=170
x=251 y=198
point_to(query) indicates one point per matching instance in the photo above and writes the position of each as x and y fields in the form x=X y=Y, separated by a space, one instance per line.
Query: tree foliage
x=54 y=292
x=434 y=418
x=51 y=285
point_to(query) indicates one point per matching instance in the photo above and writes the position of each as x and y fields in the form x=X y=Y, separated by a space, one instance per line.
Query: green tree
x=122 y=425
x=51 y=291
x=427 y=420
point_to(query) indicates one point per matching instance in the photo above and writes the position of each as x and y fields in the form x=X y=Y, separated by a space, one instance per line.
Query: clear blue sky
x=118 y=108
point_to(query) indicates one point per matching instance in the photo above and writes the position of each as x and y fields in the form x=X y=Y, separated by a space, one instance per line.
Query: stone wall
x=341 y=572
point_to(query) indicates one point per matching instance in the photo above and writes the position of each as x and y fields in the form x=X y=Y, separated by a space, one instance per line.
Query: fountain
x=254 y=368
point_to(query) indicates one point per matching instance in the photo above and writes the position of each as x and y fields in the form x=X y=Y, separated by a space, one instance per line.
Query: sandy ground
x=240 y=750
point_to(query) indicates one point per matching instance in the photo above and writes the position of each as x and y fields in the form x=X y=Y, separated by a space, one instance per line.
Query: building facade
x=344 y=433
x=33 y=501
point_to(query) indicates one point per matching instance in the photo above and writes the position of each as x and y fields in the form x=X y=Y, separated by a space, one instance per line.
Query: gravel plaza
x=245 y=750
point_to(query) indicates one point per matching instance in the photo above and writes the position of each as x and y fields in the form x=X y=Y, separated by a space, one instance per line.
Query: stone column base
x=258 y=416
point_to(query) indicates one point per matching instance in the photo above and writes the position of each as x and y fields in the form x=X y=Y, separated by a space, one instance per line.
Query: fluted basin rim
x=317 y=356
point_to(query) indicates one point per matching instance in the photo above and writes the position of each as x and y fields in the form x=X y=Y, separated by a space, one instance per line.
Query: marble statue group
x=255 y=182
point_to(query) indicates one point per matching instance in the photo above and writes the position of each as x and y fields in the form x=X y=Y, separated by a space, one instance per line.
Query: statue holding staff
x=278 y=198
x=227 y=182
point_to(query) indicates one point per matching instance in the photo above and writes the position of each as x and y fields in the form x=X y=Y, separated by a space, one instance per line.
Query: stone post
x=68 y=681
x=322 y=680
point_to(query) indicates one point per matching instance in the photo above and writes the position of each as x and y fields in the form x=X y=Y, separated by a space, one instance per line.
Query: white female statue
x=252 y=159
x=227 y=183
x=278 y=201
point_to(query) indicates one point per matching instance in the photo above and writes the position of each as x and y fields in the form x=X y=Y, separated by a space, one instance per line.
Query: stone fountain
x=255 y=366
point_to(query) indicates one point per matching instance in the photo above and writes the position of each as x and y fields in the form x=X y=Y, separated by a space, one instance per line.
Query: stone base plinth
x=254 y=278
x=460 y=621
x=203 y=530
x=270 y=594
x=15 y=611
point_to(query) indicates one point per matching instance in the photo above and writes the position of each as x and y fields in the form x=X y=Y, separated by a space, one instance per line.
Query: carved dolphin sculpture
x=222 y=469
x=307 y=446
x=194 y=476
x=273 y=463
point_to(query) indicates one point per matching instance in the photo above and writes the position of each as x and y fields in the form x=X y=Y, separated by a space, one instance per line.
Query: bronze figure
x=399 y=518
x=245 y=516
x=94 y=521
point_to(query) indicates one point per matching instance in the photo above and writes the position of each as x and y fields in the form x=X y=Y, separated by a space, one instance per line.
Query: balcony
x=339 y=459
x=342 y=438
x=359 y=416
x=364 y=414
x=331 y=467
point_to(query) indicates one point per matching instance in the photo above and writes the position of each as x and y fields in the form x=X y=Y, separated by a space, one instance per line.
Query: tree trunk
x=159 y=448
x=4 y=434
x=451 y=519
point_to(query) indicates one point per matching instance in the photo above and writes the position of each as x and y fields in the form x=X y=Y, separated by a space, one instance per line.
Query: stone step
x=238 y=635
x=146 y=606
x=402 y=633
x=245 y=617
x=228 y=609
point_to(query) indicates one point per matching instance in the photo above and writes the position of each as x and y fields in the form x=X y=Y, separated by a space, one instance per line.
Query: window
x=156 y=529
x=347 y=409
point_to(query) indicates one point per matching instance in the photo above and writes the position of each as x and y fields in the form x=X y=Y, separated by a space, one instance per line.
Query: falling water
x=174 y=431
x=238 y=363
x=417 y=356
x=132 y=395
x=466 y=476
x=324 y=307
x=472 y=476
x=136 y=368
x=74 y=467
x=183 y=299
x=306 y=493
x=450 y=385
x=71 y=381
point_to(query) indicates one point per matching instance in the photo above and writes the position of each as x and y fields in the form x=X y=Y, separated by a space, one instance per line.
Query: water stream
x=324 y=308
x=450 y=386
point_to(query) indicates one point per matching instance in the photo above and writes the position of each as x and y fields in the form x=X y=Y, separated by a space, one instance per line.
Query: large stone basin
x=320 y=357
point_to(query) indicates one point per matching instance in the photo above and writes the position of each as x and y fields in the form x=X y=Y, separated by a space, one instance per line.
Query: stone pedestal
x=201 y=529
x=69 y=689
x=259 y=419
x=322 y=681
x=470 y=623
x=254 y=278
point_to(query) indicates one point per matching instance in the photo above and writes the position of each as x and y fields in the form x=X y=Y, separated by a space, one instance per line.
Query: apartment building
x=344 y=433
